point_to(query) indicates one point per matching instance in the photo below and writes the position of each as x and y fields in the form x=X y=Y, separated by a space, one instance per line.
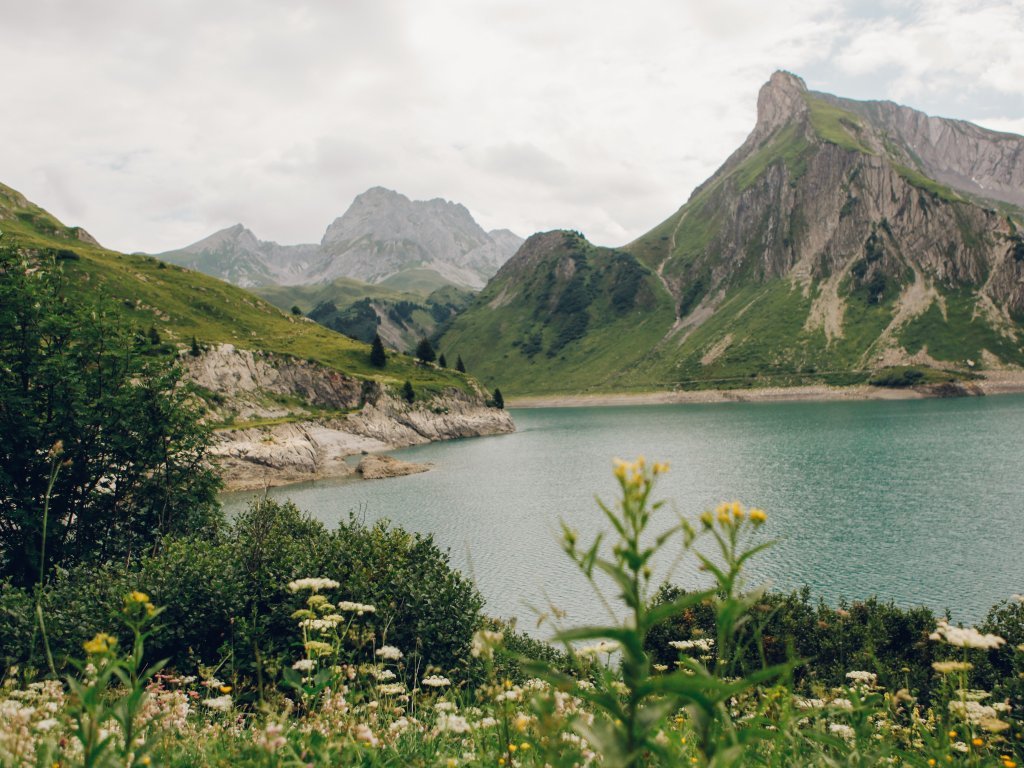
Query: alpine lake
x=914 y=501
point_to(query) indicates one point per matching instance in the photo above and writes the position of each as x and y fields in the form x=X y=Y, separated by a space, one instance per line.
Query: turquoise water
x=916 y=501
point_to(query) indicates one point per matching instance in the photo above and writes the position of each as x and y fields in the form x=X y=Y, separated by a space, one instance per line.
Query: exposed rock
x=317 y=448
x=381 y=467
x=381 y=234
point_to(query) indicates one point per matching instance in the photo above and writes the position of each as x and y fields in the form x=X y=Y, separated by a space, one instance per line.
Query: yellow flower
x=660 y=467
x=737 y=510
x=512 y=747
x=757 y=516
x=452 y=762
x=138 y=597
x=525 y=745
x=225 y=689
x=101 y=643
x=706 y=519
x=952 y=734
x=977 y=741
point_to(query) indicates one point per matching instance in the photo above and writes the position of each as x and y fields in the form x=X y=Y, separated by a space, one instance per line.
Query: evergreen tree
x=378 y=358
x=295 y=310
x=154 y=336
x=407 y=392
x=195 y=351
x=425 y=351
x=442 y=362
x=499 y=401
x=459 y=365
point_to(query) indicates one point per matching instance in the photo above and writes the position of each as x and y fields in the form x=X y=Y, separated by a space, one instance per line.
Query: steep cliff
x=840 y=238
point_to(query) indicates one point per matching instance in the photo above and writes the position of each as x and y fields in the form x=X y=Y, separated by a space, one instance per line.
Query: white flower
x=391 y=689
x=965 y=637
x=358 y=608
x=453 y=723
x=603 y=647
x=219 y=704
x=436 y=681
x=304 y=665
x=840 y=729
x=389 y=652
x=313 y=585
x=702 y=644
x=484 y=643
x=382 y=675
x=862 y=678
x=326 y=624
x=47 y=724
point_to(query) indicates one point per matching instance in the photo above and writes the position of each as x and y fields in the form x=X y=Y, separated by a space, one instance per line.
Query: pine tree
x=407 y=392
x=195 y=351
x=459 y=365
x=425 y=352
x=499 y=401
x=154 y=336
x=442 y=362
x=378 y=358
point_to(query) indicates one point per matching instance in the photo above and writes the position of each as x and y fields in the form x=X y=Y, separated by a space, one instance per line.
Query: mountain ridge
x=381 y=235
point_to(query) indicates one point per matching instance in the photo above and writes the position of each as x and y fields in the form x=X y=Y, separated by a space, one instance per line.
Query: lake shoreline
x=994 y=383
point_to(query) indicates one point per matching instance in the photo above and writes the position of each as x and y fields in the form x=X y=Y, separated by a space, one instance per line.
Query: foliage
x=459 y=365
x=98 y=432
x=408 y=393
x=425 y=351
x=498 y=399
x=378 y=358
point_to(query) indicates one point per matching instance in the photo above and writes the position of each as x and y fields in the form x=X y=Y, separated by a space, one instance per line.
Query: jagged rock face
x=382 y=234
x=840 y=237
x=234 y=373
x=237 y=256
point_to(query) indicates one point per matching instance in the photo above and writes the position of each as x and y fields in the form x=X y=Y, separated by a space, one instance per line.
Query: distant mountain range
x=842 y=238
x=383 y=238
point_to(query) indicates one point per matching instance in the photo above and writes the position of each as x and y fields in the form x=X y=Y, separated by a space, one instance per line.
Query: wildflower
x=389 y=652
x=382 y=675
x=758 y=516
x=318 y=648
x=965 y=637
x=219 y=704
x=312 y=584
x=603 y=647
x=436 y=681
x=391 y=689
x=452 y=723
x=700 y=644
x=484 y=643
x=318 y=625
x=358 y=608
x=862 y=678
x=365 y=735
x=949 y=667
x=272 y=738
x=101 y=643
x=225 y=689
x=842 y=730
x=304 y=665
x=45 y=725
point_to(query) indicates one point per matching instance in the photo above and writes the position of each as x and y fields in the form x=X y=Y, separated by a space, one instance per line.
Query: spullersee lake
x=916 y=501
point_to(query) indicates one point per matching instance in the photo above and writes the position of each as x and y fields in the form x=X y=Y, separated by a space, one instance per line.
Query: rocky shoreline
x=995 y=383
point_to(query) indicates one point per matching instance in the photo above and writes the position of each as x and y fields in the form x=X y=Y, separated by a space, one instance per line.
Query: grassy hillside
x=182 y=304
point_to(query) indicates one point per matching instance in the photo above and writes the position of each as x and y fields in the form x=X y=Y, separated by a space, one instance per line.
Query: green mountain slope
x=361 y=310
x=182 y=304
x=821 y=251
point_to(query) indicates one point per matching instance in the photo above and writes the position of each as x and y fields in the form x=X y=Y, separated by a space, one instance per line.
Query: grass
x=836 y=125
x=960 y=336
x=932 y=187
x=182 y=304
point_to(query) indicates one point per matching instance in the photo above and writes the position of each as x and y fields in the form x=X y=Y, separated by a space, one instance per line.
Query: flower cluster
x=965 y=637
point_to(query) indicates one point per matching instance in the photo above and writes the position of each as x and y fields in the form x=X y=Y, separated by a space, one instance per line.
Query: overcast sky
x=153 y=123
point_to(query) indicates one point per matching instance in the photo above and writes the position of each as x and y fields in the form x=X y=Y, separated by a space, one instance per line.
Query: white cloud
x=153 y=124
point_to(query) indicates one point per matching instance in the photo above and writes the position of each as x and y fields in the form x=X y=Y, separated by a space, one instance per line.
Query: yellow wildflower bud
x=757 y=516
x=977 y=741
x=101 y=643
x=660 y=467
x=512 y=747
x=952 y=734
x=138 y=597
x=225 y=689
x=737 y=510
x=524 y=746
x=706 y=519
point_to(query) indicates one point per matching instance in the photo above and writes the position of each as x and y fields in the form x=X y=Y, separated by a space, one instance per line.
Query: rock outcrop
x=381 y=467
x=248 y=386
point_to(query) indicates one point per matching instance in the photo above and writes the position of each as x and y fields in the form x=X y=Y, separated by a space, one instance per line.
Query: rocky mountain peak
x=780 y=100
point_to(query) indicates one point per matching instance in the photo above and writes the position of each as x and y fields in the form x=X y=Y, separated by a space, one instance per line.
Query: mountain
x=841 y=238
x=237 y=256
x=182 y=304
x=383 y=237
